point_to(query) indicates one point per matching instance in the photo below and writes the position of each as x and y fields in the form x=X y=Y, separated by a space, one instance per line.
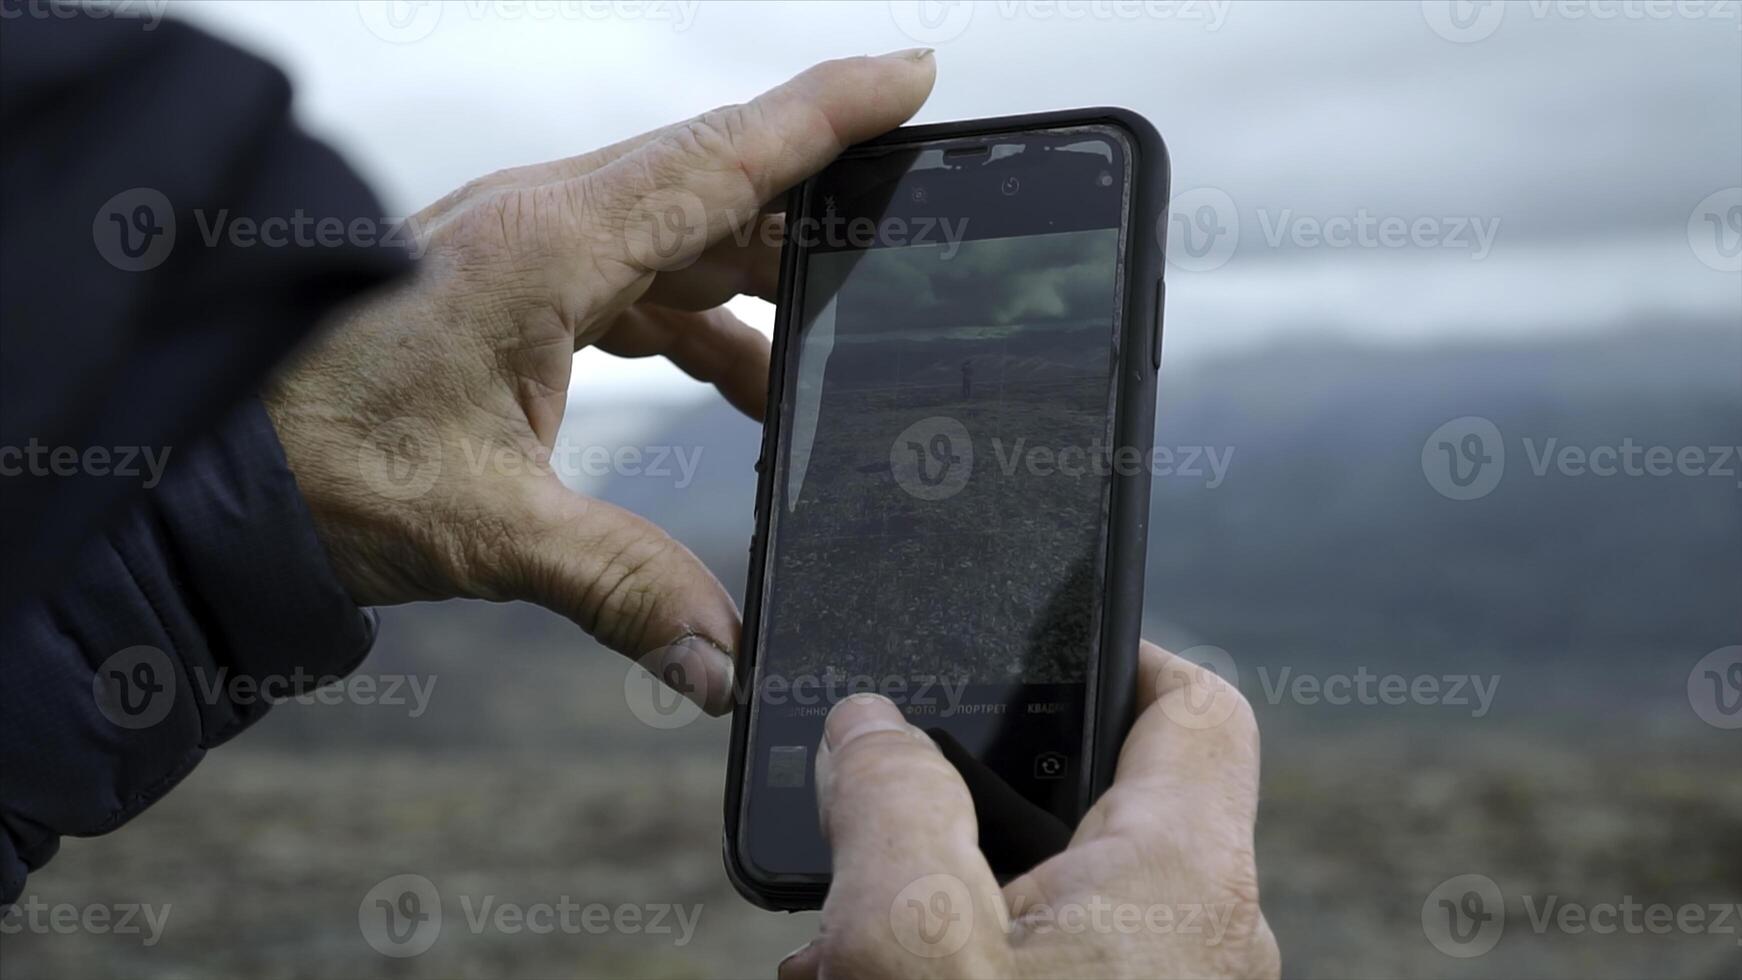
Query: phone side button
x=1155 y=328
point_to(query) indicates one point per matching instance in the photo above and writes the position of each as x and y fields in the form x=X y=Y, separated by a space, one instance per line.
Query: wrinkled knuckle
x=713 y=135
x=719 y=141
x=624 y=594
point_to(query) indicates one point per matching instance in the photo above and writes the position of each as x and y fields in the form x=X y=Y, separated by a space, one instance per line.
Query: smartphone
x=953 y=498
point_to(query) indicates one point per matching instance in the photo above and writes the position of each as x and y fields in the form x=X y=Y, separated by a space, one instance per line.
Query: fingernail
x=697 y=668
x=855 y=716
x=910 y=54
x=861 y=714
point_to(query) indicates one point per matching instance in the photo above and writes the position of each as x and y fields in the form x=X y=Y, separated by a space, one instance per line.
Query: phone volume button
x=1155 y=325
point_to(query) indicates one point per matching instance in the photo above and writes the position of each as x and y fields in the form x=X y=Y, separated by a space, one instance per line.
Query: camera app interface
x=939 y=523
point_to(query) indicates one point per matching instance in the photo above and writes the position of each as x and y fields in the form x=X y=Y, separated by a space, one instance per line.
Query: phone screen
x=941 y=478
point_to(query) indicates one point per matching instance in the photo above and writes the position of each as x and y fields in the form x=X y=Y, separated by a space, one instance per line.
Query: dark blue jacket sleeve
x=162 y=578
x=174 y=631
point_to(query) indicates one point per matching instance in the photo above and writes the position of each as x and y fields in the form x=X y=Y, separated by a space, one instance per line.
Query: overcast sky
x=1552 y=165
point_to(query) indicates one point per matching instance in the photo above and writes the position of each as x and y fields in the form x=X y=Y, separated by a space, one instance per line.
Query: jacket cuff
x=273 y=619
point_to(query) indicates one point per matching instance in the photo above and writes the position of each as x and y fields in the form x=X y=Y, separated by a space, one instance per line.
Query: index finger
x=911 y=892
x=674 y=195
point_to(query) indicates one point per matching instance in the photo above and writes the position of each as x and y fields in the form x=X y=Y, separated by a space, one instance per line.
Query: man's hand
x=1158 y=881
x=420 y=431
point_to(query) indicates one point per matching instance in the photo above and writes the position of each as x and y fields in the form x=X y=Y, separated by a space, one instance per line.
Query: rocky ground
x=543 y=785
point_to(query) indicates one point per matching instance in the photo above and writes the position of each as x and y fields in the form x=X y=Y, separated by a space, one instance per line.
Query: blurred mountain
x=1324 y=538
x=1322 y=545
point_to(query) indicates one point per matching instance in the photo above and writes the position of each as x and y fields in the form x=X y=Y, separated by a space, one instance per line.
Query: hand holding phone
x=630 y=248
x=1159 y=879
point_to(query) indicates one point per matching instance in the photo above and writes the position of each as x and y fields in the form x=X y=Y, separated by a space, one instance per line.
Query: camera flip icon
x=1050 y=765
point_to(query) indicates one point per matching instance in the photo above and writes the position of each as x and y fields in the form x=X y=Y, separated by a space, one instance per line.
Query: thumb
x=907 y=865
x=631 y=586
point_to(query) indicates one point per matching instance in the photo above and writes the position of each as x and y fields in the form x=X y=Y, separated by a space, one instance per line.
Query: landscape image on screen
x=915 y=534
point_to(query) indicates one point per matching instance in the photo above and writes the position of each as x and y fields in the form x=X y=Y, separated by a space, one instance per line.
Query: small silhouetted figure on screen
x=967 y=380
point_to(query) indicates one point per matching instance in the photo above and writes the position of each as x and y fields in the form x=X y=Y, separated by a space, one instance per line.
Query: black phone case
x=1139 y=359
